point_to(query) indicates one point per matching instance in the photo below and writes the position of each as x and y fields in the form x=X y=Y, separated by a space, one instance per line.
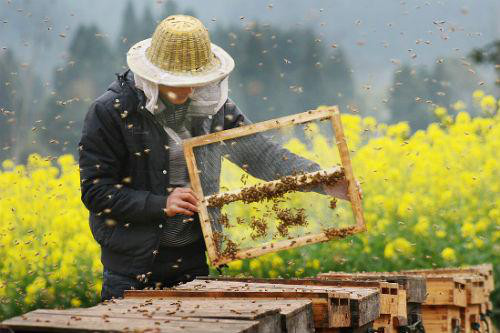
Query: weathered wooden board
x=485 y=270
x=322 y=303
x=391 y=305
x=332 y=306
x=269 y=319
x=388 y=291
x=294 y=315
x=45 y=320
x=415 y=286
x=475 y=284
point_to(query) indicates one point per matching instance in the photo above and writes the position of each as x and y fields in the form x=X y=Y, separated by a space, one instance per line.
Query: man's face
x=175 y=95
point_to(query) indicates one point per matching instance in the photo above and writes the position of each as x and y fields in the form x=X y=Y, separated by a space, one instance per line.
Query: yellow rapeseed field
x=430 y=199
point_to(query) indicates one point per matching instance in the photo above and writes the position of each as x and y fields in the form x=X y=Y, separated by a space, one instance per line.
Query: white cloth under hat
x=205 y=100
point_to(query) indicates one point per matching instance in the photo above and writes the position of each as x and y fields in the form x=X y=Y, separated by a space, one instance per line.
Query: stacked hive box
x=214 y=306
x=393 y=312
x=444 y=308
x=475 y=284
x=411 y=296
x=334 y=308
x=444 y=300
x=457 y=299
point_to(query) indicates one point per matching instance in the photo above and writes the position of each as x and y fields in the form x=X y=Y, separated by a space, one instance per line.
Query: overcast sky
x=376 y=34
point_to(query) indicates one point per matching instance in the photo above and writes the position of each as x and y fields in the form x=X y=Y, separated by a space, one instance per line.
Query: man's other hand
x=339 y=189
x=182 y=200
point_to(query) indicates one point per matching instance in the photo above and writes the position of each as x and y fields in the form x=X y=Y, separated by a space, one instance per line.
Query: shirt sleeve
x=262 y=157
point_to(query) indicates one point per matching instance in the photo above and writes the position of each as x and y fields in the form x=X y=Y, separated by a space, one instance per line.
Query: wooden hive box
x=414 y=287
x=292 y=315
x=444 y=307
x=446 y=290
x=265 y=316
x=392 y=299
x=485 y=270
x=477 y=291
x=333 y=307
x=479 y=280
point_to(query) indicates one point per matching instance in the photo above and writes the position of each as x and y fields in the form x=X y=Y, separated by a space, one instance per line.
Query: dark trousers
x=171 y=266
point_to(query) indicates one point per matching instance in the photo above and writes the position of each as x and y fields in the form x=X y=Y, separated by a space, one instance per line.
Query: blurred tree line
x=278 y=72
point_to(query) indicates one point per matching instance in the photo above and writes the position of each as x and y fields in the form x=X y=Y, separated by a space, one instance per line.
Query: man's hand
x=182 y=200
x=339 y=189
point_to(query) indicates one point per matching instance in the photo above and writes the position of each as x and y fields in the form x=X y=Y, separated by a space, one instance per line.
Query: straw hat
x=180 y=54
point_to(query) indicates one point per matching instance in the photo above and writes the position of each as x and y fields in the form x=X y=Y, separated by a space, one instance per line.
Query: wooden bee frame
x=331 y=113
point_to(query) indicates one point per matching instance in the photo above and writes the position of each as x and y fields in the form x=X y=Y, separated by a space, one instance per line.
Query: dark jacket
x=124 y=170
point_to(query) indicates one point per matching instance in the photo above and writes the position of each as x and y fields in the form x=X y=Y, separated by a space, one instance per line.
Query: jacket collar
x=125 y=81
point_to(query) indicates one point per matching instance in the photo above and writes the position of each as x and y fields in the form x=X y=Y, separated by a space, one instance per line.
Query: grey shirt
x=179 y=230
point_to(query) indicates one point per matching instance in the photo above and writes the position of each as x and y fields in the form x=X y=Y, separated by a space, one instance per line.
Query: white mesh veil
x=205 y=100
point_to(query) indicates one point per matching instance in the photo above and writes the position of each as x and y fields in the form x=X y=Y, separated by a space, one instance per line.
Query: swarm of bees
x=286 y=217
x=266 y=191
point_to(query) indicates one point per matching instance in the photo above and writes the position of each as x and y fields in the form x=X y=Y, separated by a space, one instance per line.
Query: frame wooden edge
x=354 y=197
x=205 y=223
x=249 y=129
x=286 y=244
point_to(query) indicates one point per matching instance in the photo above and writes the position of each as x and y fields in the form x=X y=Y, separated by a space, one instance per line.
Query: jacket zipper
x=150 y=116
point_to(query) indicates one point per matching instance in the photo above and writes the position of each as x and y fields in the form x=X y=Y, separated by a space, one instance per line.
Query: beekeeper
x=134 y=178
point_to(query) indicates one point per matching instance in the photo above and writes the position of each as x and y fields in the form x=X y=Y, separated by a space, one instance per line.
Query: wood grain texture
x=352 y=188
x=293 y=315
x=176 y=315
x=244 y=130
x=58 y=321
x=414 y=285
x=206 y=226
x=319 y=301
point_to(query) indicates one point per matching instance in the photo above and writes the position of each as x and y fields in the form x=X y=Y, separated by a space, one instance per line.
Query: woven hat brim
x=140 y=64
